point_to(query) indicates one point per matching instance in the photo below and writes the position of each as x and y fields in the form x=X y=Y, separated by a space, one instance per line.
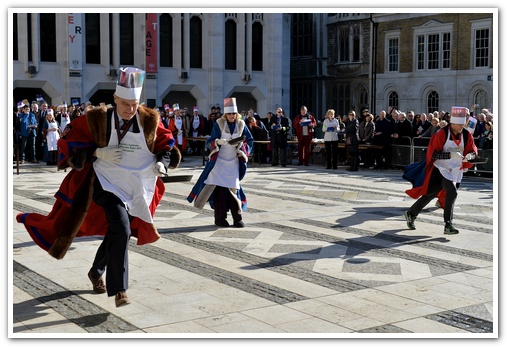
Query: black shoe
x=307 y=164
x=410 y=220
x=283 y=165
x=239 y=224
x=449 y=229
x=221 y=223
x=328 y=167
x=299 y=164
x=274 y=164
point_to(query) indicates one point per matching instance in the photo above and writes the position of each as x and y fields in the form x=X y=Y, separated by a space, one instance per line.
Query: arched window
x=481 y=99
x=230 y=45
x=166 y=40
x=195 y=42
x=433 y=101
x=393 y=100
x=257 y=39
x=363 y=96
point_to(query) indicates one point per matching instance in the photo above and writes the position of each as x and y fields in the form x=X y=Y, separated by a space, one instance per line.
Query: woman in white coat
x=330 y=126
x=51 y=132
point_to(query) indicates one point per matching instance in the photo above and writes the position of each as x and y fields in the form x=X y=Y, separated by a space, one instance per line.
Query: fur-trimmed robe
x=420 y=179
x=74 y=213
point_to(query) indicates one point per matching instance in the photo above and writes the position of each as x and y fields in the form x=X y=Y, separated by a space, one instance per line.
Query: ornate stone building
x=414 y=61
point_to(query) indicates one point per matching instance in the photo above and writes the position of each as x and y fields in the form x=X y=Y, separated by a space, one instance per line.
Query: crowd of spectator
x=32 y=122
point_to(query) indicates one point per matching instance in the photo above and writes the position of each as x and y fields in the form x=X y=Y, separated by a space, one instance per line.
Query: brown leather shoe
x=121 y=299
x=98 y=283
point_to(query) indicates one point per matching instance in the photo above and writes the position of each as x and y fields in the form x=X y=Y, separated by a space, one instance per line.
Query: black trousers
x=279 y=149
x=113 y=251
x=223 y=202
x=331 y=153
x=437 y=183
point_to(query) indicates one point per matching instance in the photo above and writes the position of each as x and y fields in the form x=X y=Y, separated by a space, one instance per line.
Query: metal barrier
x=410 y=150
x=402 y=152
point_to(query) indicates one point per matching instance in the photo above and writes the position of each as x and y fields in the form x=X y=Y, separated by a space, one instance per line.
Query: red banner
x=151 y=42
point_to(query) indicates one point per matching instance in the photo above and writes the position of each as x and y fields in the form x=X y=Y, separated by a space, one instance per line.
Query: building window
x=29 y=36
x=15 y=53
x=481 y=48
x=257 y=41
x=92 y=35
x=363 y=96
x=344 y=100
x=481 y=99
x=393 y=54
x=446 y=50
x=111 y=40
x=301 y=95
x=126 y=39
x=349 y=44
x=393 y=101
x=420 y=52
x=356 y=44
x=196 y=42
x=343 y=45
x=47 y=37
x=302 y=38
x=166 y=40
x=433 y=51
x=230 y=44
x=433 y=101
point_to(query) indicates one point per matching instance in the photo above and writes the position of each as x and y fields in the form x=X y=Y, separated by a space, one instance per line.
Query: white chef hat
x=130 y=83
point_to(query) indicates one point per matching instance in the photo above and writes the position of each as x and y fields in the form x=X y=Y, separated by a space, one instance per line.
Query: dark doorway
x=184 y=99
x=30 y=94
x=102 y=95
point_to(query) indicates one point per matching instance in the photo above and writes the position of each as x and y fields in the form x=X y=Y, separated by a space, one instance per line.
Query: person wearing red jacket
x=447 y=157
x=305 y=125
x=113 y=189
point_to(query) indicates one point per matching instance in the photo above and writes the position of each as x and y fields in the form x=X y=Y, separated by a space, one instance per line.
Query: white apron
x=65 y=119
x=178 y=122
x=195 y=125
x=132 y=179
x=225 y=173
x=451 y=168
x=52 y=137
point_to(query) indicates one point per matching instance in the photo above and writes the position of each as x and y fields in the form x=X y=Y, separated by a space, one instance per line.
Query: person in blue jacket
x=230 y=144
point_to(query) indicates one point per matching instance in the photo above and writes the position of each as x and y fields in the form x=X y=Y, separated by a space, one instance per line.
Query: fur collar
x=97 y=122
x=222 y=123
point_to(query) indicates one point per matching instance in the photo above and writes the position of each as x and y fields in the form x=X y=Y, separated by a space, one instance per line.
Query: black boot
x=354 y=164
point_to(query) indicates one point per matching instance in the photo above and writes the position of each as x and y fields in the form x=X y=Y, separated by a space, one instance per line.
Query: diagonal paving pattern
x=322 y=252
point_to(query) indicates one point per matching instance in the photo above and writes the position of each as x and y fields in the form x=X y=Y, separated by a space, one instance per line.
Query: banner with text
x=75 y=41
x=151 y=42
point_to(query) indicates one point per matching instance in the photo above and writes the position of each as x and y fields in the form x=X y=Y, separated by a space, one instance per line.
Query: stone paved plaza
x=324 y=253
